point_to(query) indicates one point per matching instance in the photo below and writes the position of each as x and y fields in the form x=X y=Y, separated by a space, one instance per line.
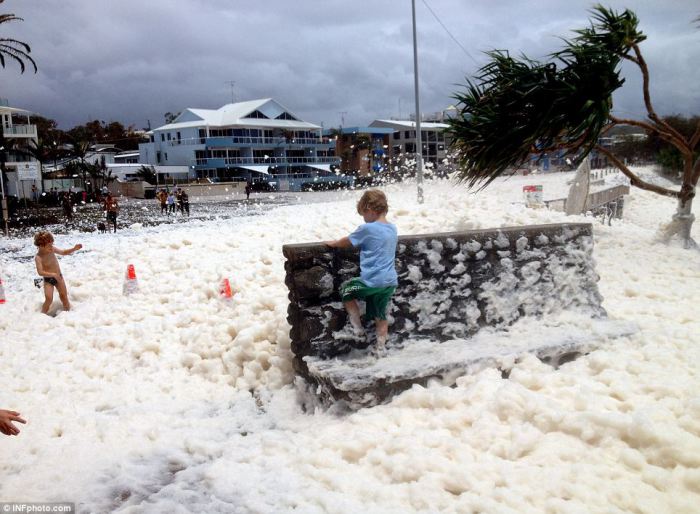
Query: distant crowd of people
x=169 y=199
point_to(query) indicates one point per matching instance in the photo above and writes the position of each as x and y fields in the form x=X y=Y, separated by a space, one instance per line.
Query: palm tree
x=14 y=49
x=519 y=107
x=362 y=145
x=8 y=145
x=147 y=174
x=79 y=152
x=42 y=152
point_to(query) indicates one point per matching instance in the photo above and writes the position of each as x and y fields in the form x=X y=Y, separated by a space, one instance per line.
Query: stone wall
x=450 y=285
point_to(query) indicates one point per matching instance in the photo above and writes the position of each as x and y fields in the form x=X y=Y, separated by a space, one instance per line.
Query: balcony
x=270 y=161
x=238 y=141
x=20 y=131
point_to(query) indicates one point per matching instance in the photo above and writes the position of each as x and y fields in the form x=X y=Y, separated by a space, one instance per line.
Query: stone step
x=362 y=379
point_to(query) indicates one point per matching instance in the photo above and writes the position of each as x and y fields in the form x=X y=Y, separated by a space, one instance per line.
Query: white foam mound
x=143 y=403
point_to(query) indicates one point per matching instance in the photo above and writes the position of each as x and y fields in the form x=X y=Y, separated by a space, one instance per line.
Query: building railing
x=261 y=161
x=246 y=140
x=20 y=130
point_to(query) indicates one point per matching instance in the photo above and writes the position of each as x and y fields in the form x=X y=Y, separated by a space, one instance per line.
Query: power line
x=449 y=33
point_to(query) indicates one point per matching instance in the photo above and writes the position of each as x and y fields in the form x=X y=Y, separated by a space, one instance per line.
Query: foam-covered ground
x=172 y=400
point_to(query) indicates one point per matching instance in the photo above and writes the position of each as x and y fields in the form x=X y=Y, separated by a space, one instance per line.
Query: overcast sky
x=134 y=60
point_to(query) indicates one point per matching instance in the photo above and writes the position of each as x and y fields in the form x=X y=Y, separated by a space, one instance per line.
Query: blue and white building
x=258 y=140
x=23 y=171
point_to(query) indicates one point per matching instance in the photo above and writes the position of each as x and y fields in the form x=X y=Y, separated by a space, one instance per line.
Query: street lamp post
x=3 y=198
x=419 y=139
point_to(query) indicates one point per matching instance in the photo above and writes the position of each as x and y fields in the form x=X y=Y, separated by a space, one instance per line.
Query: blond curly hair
x=373 y=200
x=42 y=238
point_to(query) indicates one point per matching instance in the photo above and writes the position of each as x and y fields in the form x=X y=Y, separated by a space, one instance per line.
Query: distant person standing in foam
x=376 y=239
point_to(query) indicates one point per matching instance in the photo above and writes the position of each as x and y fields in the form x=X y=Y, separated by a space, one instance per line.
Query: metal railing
x=246 y=140
x=262 y=161
x=20 y=130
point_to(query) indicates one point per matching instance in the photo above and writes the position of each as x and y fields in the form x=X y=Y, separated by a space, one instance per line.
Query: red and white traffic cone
x=2 y=292
x=225 y=289
x=131 y=284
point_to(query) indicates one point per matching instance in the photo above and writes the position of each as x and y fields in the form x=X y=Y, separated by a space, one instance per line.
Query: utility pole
x=419 y=139
x=232 y=83
x=342 y=118
x=3 y=198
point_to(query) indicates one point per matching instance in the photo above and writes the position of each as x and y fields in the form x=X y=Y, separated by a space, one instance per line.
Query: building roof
x=5 y=109
x=401 y=124
x=235 y=115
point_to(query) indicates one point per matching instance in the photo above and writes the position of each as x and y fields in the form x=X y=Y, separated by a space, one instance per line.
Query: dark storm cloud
x=134 y=60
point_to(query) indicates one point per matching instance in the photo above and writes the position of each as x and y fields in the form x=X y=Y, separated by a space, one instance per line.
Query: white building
x=23 y=171
x=403 y=140
x=258 y=140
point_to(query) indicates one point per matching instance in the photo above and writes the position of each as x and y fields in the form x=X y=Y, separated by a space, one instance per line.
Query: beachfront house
x=403 y=139
x=257 y=141
x=364 y=151
x=23 y=171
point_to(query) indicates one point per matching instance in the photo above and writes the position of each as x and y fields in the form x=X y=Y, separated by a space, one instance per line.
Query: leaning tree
x=14 y=49
x=517 y=107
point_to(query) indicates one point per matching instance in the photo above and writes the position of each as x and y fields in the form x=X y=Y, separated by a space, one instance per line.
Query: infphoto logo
x=34 y=507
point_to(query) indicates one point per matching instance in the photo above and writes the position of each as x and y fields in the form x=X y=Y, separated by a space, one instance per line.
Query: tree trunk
x=681 y=224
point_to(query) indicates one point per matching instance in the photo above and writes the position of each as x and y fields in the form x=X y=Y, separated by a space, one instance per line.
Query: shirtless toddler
x=48 y=268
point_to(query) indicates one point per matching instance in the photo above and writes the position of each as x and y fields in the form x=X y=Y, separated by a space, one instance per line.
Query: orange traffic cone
x=2 y=292
x=131 y=285
x=225 y=289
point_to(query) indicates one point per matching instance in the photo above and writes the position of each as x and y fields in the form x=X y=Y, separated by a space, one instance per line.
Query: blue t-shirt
x=377 y=243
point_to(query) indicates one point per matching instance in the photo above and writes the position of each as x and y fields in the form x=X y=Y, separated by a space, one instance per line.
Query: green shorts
x=376 y=298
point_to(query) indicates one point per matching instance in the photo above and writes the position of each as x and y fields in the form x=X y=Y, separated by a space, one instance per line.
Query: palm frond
x=517 y=107
x=16 y=50
x=7 y=48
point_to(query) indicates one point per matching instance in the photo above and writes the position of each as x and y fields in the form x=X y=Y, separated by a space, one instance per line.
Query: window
x=158 y=157
x=410 y=147
x=256 y=114
x=262 y=154
x=166 y=155
x=406 y=134
x=169 y=138
x=162 y=137
x=286 y=116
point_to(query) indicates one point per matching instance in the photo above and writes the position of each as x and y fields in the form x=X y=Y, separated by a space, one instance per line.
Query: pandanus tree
x=14 y=49
x=518 y=107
